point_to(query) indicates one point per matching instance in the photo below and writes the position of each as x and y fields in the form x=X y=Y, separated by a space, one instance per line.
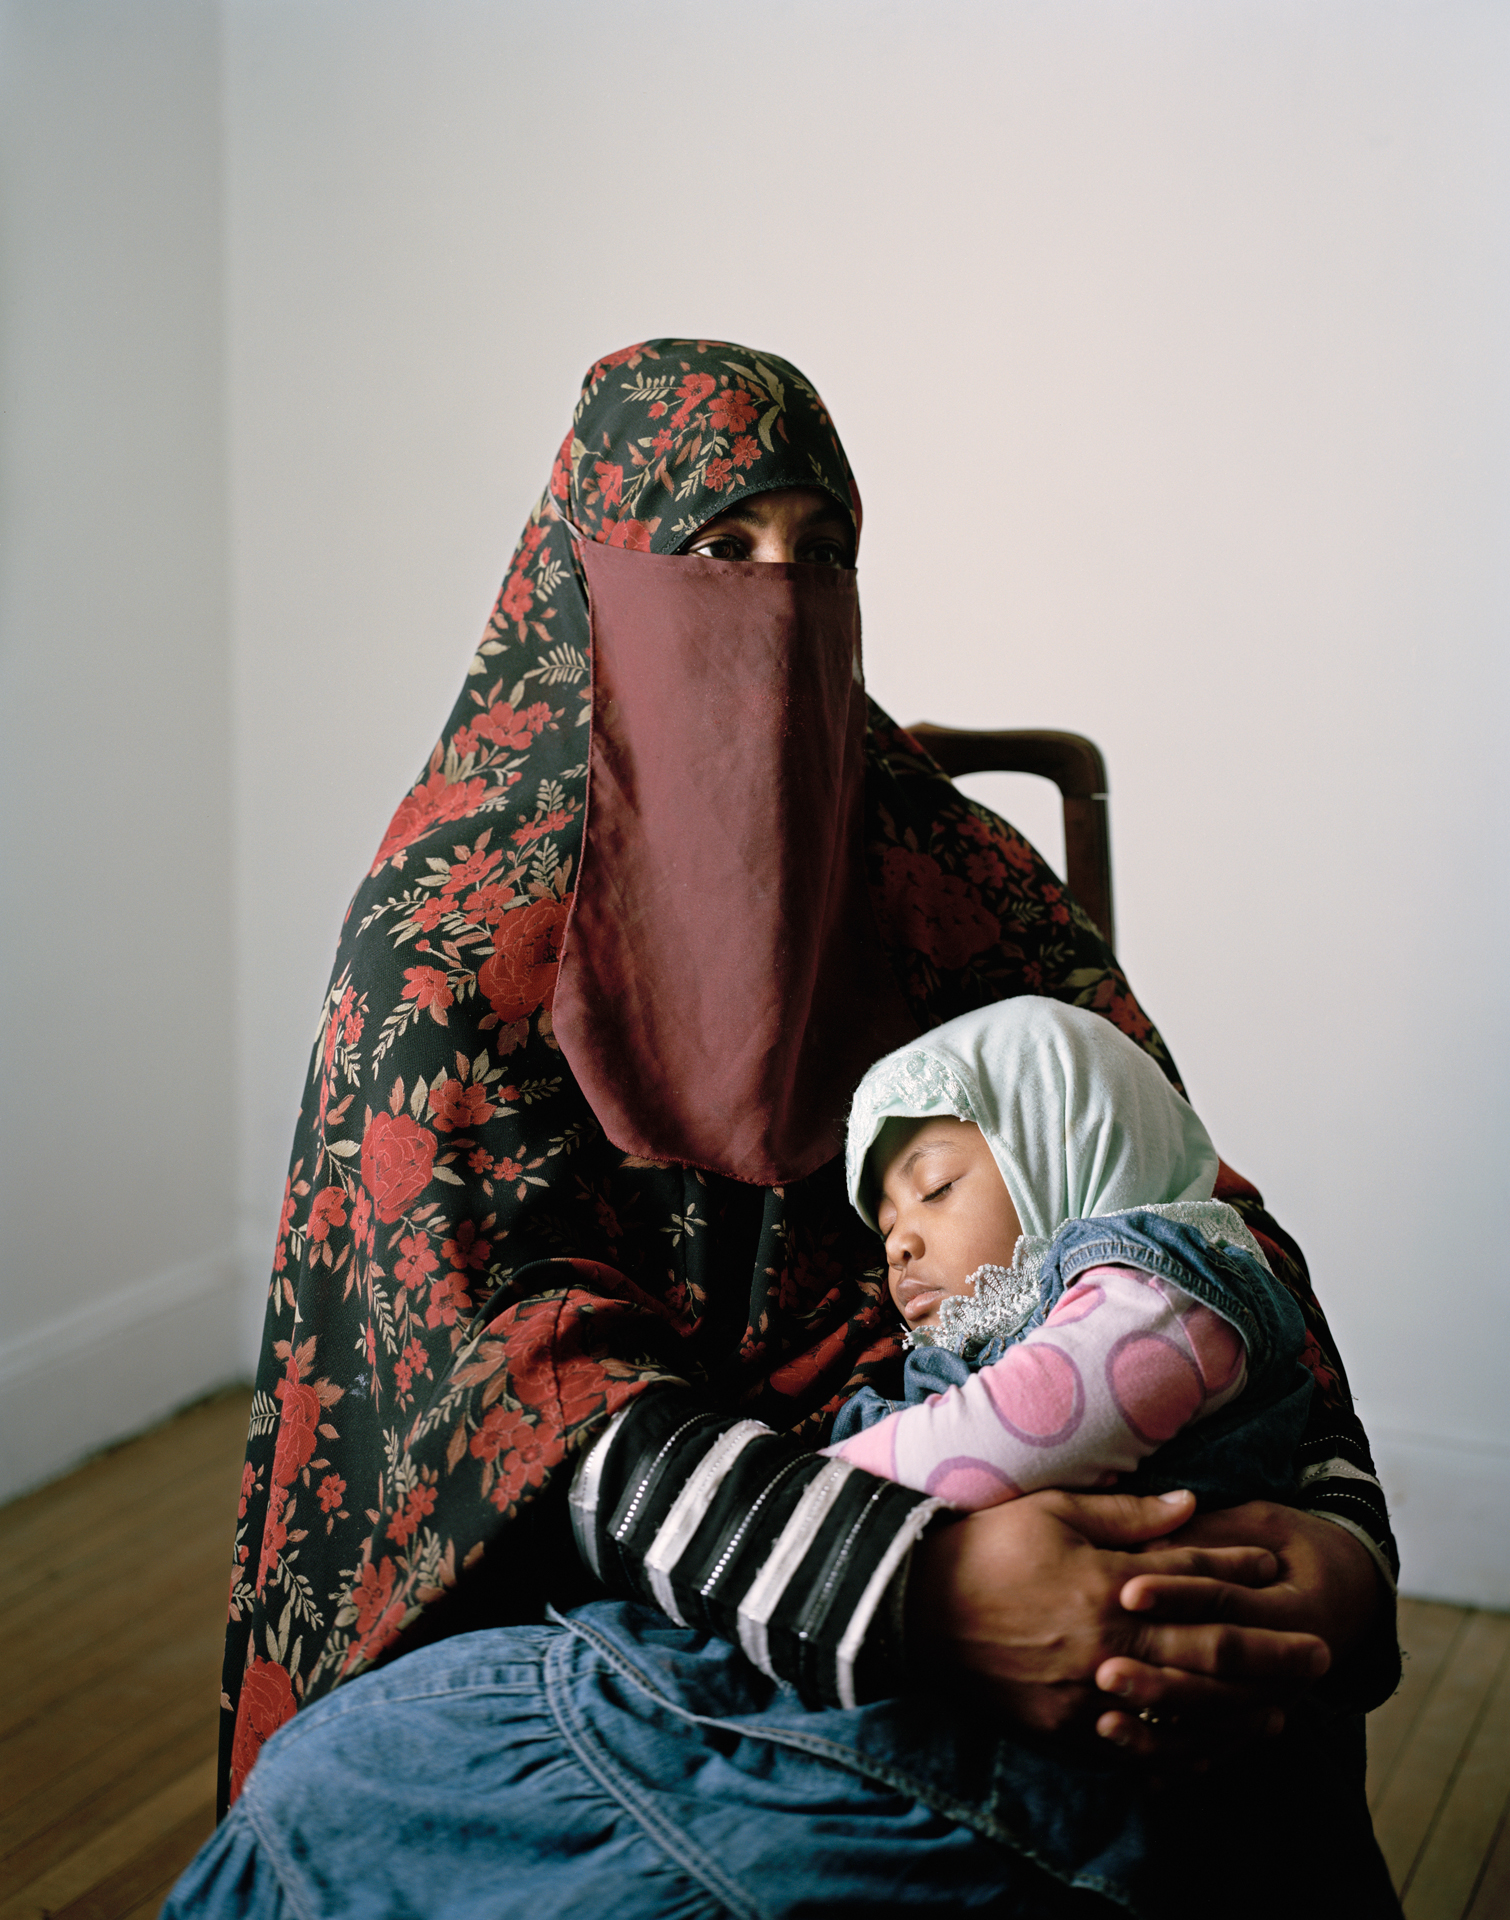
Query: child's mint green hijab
x=1080 y=1119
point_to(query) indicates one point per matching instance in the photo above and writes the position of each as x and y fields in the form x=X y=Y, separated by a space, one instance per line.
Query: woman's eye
x=827 y=553
x=725 y=547
x=938 y=1192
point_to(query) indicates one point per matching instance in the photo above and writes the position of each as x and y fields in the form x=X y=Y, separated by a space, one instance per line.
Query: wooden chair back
x=1075 y=766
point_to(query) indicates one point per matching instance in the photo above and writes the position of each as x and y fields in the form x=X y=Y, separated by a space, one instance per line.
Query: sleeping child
x=1080 y=1311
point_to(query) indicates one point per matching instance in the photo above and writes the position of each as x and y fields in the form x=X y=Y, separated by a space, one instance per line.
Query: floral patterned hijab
x=679 y=431
x=469 y=1277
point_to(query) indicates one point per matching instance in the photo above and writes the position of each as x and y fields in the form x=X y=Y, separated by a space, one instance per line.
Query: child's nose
x=903 y=1243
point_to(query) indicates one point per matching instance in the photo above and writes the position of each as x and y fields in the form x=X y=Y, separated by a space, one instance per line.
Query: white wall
x=118 y=1294
x=1169 y=345
x=1168 y=342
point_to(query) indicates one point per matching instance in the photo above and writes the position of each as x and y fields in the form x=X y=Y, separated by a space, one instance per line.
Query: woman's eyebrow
x=748 y=512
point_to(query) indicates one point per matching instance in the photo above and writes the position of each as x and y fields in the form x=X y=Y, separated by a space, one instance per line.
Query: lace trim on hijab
x=915 y=1081
x=915 y=1084
x=1006 y=1298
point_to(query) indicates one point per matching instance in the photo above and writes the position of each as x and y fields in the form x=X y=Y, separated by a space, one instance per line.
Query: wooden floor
x=1439 y=1765
x=112 y=1604
x=113 y=1590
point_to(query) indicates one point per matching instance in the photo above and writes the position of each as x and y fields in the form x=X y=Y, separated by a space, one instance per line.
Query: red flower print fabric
x=397 y=1157
x=520 y=977
x=468 y=1278
x=267 y=1700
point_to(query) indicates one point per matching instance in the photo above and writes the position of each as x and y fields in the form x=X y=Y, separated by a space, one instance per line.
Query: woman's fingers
x=1225 y=1694
x=1225 y=1634
x=1329 y=1583
x=1027 y=1604
x=1142 y=1688
x=1171 y=1714
x=1161 y=1738
x=1122 y=1519
x=1240 y=1566
x=1221 y=1597
x=1180 y=1714
x=1172 y=1663
x=1018 y=1596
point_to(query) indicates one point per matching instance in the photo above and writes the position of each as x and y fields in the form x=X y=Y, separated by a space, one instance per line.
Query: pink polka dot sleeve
x=1123 y=1362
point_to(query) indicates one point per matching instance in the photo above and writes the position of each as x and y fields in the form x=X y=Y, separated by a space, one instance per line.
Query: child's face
x=944 y=1211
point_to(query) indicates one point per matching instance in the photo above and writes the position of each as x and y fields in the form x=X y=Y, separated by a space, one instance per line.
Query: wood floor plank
x=41 y=1827
x=176 y=1651
x=1492 y=1900
x=131 y=1690
x=85 y=1571
x=188 y=1665
x=202 y=1499
x=1427 y=1633
x=149 y=1875
x=1473 y=1810
x=112 y=1615
x=1437 y=1744
x=215 y=1429
x=160 y=1637
x=60 y=1628
x=196 y=1488
x=116 y=1847
x=123 y=1691
x=96 y=1715
x=151 y=1907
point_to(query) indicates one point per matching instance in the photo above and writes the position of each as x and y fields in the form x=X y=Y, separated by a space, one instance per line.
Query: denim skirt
x=526 y=1773
x=611 y=1766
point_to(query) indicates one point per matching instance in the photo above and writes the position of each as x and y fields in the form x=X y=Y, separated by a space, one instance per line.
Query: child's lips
x=917 y=1299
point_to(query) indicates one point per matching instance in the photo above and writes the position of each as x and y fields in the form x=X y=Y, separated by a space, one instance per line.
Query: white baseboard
x=107 y=1370
x=1450 y=1502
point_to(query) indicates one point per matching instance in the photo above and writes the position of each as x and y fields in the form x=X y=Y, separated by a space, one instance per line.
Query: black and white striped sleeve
x=723 y=1524
x=1338 y=1483
x=1335 y=1468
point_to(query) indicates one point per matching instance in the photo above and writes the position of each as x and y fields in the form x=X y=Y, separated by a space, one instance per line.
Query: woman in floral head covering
x=567 y=1178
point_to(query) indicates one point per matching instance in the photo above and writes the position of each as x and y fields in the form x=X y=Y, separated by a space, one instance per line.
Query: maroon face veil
x=722 y=983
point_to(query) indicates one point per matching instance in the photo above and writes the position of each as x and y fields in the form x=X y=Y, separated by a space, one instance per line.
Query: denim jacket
x=1244 y=1451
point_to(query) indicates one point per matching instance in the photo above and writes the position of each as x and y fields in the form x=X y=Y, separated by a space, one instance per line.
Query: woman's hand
x=1027 y=1598
x=1326 y=1585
